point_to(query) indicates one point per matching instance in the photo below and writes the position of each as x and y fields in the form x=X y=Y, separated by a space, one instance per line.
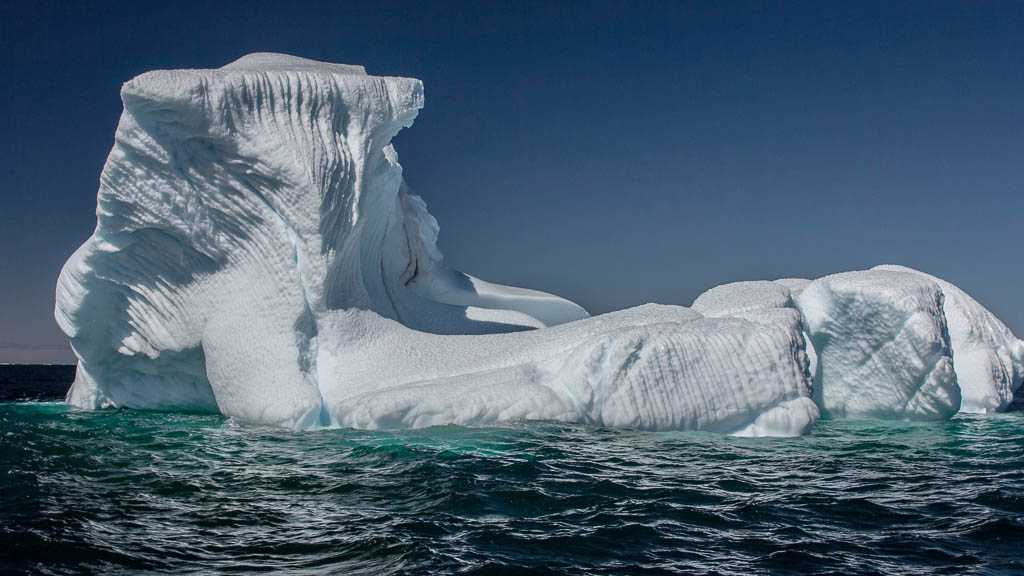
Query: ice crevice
x=258 y=253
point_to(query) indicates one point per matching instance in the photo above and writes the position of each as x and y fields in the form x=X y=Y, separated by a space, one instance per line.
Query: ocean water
x=137 y=492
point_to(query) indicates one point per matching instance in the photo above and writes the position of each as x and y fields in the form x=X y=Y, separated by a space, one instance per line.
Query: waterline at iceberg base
x=258 y=255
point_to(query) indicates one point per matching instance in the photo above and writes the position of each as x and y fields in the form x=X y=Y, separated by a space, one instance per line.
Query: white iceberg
x=257 y=254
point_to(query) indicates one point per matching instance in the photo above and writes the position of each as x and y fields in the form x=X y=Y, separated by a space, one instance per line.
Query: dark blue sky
x=613 y=153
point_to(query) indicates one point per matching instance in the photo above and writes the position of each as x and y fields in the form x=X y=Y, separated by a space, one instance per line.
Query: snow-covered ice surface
x=257 y=254
x=795 y=285
x=743 y=298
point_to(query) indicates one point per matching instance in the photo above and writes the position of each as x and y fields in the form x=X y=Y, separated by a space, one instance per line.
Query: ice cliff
x=257 y=254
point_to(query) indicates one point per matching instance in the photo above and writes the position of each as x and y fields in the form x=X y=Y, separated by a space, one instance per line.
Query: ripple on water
x=124 y=491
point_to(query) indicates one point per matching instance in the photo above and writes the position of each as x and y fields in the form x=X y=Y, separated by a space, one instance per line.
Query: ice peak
x=274 y=62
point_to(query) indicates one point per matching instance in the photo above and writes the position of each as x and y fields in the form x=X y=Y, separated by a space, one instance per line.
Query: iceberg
x=258 y=254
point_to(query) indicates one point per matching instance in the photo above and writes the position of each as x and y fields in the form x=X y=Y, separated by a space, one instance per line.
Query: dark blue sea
x=117 y=492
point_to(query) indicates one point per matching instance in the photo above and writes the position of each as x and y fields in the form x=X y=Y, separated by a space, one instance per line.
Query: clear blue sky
x=613 y=153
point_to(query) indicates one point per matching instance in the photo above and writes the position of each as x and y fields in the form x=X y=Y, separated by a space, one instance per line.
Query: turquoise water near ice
x=137 y=492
